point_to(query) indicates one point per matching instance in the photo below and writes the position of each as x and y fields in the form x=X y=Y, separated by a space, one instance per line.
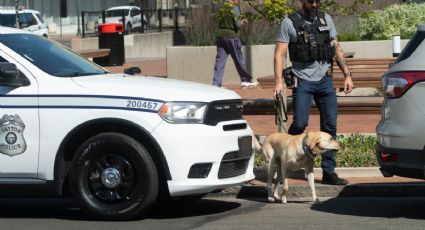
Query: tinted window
x=27 y=19
x=31 y=19
x=50 y=56
x=40 y=18
x=135 y=12
x=7 y=20
x=116 y=13
x=411 y=46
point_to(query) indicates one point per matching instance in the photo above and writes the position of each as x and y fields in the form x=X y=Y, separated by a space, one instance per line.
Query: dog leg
x=285 y=185
x=278 y=180
x=270 y=174
x=310 y=177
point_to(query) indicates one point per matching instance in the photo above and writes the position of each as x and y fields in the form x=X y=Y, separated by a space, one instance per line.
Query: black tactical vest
x=313 y=39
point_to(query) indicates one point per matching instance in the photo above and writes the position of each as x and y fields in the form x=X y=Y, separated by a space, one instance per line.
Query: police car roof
x=11 y=30
x=122 y=7
x=12 y=11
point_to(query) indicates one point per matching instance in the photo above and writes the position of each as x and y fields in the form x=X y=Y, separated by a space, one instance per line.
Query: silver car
x=400 y=146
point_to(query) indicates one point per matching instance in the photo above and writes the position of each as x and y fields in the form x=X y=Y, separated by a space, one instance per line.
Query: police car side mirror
x=10 y=75
x=132 y=70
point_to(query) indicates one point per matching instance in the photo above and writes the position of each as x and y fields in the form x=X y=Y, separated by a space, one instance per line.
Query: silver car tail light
x=396 y=84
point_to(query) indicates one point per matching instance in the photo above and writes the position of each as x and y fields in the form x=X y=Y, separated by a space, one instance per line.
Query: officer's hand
x=348 y=85
x=278 y=88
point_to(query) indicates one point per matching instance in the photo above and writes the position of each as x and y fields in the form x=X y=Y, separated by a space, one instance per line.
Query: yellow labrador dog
x=284 y=152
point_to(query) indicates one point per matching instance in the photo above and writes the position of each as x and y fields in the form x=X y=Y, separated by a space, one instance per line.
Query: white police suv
x=132 y=16
x=30 y=20
x=117 y=142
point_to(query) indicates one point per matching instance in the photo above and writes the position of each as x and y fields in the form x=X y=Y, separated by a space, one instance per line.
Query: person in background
x=310 y=37
x=228 y=42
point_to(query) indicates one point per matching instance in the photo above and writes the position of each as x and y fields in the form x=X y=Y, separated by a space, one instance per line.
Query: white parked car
x=30 y=20
x=132 y=15
x=117 y=142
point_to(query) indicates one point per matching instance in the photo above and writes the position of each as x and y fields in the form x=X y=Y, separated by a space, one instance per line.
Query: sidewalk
x=362 y=182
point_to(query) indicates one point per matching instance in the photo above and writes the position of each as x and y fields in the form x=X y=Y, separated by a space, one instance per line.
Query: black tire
x=145 y=26
x=128 y=28
x=96 y=28
x=113 y=177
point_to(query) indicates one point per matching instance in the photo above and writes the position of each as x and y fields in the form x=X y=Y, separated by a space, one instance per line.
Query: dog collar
x=306 y=149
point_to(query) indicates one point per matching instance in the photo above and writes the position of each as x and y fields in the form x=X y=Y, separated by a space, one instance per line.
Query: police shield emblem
x=12 y=140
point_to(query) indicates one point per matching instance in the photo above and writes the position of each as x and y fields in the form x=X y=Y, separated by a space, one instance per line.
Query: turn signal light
x=396 y=84
x=389 y=157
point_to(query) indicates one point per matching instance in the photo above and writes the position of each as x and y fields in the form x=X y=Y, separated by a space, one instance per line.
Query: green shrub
x=357 y=151
x=394 y=20
x=202 y=24
x=348 y=37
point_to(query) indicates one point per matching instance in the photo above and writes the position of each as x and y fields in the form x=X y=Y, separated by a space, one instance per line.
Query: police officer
x=228 y=42
x=310 y=36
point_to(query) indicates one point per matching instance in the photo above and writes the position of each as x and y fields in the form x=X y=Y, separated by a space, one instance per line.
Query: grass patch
x=357 y=151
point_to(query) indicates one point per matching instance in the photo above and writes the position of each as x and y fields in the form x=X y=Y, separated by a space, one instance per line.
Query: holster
x=330 y=72
x=288 y=77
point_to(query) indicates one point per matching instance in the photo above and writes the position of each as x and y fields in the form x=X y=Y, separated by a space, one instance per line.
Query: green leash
x=280 y=108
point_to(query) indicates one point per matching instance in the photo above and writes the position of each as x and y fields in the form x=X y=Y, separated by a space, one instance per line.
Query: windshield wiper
x=78 y=74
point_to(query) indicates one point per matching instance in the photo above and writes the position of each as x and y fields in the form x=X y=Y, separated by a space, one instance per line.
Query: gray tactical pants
x=232 y=46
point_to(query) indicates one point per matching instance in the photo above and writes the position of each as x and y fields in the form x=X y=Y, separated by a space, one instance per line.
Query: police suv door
x=19 y=125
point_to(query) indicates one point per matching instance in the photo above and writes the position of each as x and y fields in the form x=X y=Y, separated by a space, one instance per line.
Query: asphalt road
x=227 y=213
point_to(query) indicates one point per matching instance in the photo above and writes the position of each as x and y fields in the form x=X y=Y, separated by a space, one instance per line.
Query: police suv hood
x=153 y=87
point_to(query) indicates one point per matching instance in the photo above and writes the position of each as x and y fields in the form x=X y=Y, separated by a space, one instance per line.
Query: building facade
x=66 y=11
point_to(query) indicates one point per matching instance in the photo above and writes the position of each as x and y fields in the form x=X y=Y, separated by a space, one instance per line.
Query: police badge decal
x=12 y=140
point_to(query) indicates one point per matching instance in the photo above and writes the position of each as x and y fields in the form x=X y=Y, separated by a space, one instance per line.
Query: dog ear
x=313 y=139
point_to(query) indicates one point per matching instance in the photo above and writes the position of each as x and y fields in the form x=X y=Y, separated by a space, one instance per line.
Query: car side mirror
x=10 y=75
x=132 y=70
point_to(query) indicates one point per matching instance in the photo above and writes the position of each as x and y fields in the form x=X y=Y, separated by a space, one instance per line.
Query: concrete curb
x=261 y=174
x=410 y=189
x=352 y=190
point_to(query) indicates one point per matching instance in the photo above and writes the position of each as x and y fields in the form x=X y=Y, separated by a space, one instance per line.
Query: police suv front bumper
x=203 y=158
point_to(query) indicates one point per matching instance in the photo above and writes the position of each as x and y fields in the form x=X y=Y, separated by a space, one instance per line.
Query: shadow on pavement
x=41 y=208
x=176 y=209
x=66 y=209
x=252 y=193
x=399 y=189
x=411 y=207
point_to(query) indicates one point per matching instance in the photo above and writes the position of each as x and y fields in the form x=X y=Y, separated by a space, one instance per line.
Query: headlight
x=183 y=112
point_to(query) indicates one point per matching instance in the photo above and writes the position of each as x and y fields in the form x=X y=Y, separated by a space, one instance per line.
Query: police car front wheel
x=114 y=177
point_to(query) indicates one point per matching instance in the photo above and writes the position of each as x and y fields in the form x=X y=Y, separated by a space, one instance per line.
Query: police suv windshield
x=116 y=13
x=49 y=56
